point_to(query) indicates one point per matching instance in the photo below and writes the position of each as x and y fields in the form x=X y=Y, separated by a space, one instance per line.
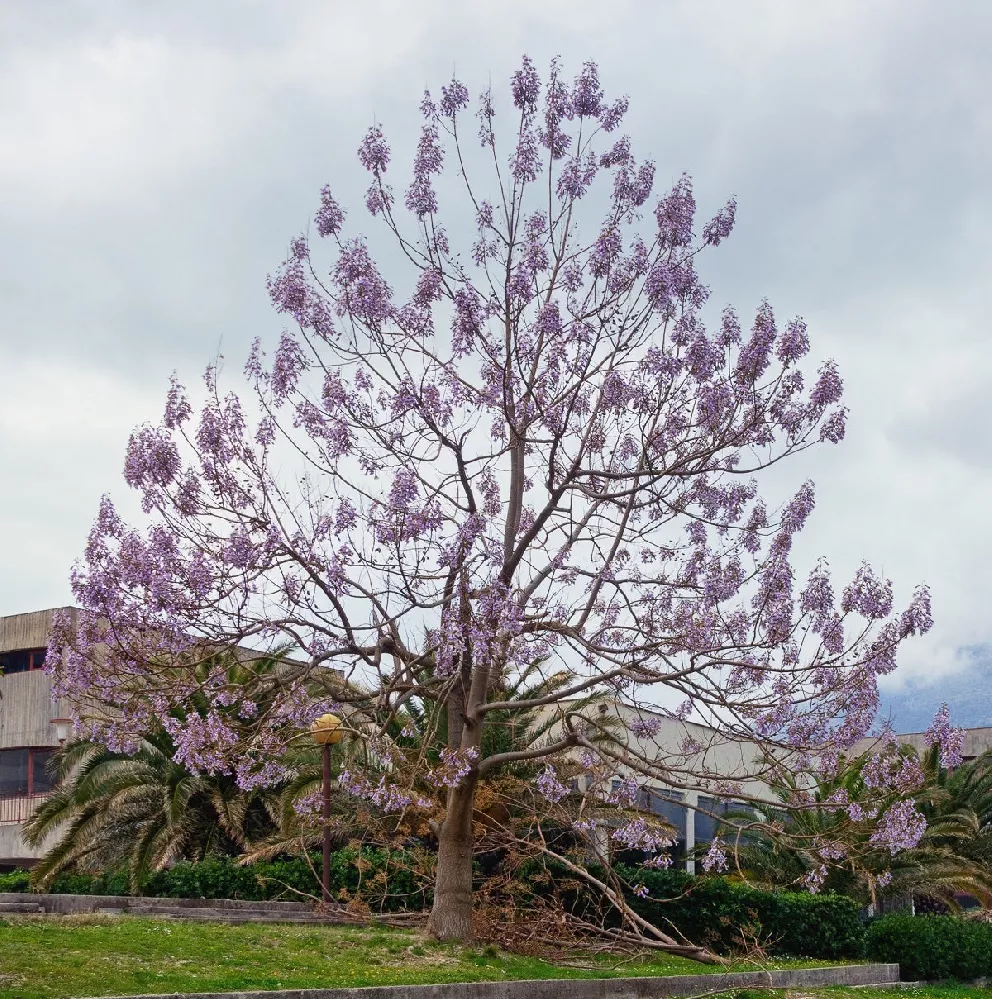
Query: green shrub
x=932 y=948
x=109 y=883
x=728 y=916
x=383 y=880
x=721 y=914
x=15 y=881
x=712 y=911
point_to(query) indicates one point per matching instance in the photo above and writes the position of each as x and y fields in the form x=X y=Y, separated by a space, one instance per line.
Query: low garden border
x=683 y=986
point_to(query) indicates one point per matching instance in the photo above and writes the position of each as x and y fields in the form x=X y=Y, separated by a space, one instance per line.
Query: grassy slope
x=102 y=956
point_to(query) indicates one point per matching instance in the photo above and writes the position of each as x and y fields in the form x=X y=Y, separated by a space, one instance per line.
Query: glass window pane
x=668 y=804
x=15 y=662
x=38 y=658
x=14 y=771
x=706 y=824
x=41 y=780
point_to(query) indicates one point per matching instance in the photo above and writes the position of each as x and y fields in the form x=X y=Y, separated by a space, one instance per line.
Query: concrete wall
x=976 y=742
x=28 y=631
x=26 y=712
x=26 y=706
x=718 y=760
x=601 y=988
x=14 y=852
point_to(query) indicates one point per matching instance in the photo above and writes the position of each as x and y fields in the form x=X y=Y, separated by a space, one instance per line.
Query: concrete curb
x=67 y=904
x=683 y=986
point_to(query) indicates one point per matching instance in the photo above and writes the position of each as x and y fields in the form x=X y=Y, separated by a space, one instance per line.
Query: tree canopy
x=540 y=451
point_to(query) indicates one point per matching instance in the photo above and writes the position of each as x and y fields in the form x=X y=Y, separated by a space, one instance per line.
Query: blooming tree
x=541 y=453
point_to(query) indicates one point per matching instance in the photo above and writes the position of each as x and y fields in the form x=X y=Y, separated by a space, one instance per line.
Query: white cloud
x=156 y=158
x=63 y=430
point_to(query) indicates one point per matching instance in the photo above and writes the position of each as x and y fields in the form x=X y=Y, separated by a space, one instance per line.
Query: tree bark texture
x=451 y=917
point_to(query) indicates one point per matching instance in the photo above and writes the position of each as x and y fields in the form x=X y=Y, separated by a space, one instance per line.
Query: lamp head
x=63 y=726
x=327 y=730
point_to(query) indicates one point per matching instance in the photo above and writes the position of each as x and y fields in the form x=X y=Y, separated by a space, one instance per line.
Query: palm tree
x=143 y=810
x=954 y=855
x=295 y=805
x=140 y=811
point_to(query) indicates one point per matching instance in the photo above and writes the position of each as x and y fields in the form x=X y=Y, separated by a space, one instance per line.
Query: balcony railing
x=15 y=809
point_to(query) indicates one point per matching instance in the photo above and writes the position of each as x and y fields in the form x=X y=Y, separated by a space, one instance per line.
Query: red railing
x=18 y=808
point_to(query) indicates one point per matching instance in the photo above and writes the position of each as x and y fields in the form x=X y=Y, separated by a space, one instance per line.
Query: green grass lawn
x=55 y=958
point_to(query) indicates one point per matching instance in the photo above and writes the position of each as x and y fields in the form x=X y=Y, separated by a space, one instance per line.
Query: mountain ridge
x=967 y=693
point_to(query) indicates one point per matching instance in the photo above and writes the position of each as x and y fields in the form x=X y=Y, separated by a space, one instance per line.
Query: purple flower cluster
x=721 y=225
x=330 y=215
x=456 y=765
x=645 y=727
x=365 y=295
x=901 y=828
x=813 y=880
x=526 y=86
x=387 y=797
x=716 y=856
x=374 y=151
x=587 y=94
x=289 y=363
x=868 y=595
x=203 y=742
x=625 y=792
x=550 y=786
x=642 y=834
x=421 y=198
x=949 y=739
x=675 y=214
x=152 y=459
x=659 y=862
x=454 y=98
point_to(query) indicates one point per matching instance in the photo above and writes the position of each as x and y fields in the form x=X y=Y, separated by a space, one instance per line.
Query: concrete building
x=976 y=742
x=28 y=736
x=709 y=756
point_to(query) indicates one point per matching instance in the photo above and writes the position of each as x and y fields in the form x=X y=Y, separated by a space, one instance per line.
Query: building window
x=21 y=661
x=710 y=826
x=669 y=806
x=25 y=772
x=707 y=826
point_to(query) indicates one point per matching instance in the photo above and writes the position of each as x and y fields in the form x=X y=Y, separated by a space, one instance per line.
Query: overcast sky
x=155 y=160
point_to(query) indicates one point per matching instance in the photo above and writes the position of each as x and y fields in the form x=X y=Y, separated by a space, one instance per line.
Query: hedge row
x=932 y=948
x=720 y=914
x=381 y=879
x=728 y=916
x=707 y=910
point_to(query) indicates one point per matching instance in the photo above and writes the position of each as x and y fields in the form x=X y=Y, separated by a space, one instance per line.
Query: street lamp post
x=327 y=731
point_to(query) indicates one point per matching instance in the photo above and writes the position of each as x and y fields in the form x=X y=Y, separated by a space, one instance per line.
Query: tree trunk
x=451 y=917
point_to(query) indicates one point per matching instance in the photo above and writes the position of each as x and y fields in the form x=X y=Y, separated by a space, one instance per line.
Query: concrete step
x=215 y=904
x=89 y=903
x=219 y=915
x=220 y=909
x=13 y=907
